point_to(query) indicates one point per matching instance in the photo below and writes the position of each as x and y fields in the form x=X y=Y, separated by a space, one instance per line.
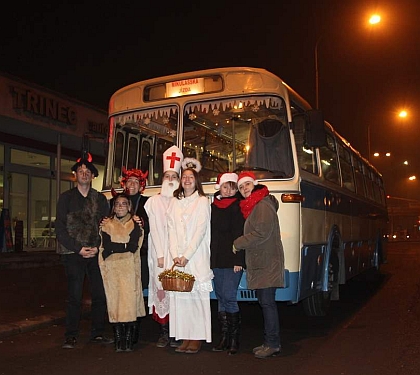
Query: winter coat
x=78 y=219
x=261 y=241
x=227 y=224
x=120 y=264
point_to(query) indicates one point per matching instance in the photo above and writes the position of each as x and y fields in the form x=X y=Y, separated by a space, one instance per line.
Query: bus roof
x=120 y=94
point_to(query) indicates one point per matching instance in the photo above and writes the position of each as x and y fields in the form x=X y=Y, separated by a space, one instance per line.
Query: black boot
x=136 y=333
x=164 y=336
x=129 y=334
x=119 y=336
x=234 y=326
x=223 y=343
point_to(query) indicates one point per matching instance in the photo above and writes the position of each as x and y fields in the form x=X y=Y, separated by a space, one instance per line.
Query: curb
x=31 y=324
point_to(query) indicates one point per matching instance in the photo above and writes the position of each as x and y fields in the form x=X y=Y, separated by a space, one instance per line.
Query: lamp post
x=317 y=74
x=373 y=20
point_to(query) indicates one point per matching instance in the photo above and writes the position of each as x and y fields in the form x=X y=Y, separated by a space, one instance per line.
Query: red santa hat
x=225 y=177
x=246 y=176
x=172 y=159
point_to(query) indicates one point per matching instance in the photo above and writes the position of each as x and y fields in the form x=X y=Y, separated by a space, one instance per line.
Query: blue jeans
x=266 y=299
x=77 y=268
x=226 y=284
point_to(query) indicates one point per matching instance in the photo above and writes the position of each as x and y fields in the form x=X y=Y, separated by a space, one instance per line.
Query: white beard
x=168 y=188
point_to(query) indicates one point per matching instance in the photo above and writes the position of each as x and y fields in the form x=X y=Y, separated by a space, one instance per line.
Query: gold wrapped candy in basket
x=176 y=281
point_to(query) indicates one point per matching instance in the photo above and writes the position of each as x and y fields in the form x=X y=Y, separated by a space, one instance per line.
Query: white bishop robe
x=189 y=236
x=156 y=207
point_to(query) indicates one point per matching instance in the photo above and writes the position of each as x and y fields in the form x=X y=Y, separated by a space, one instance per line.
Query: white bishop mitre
x=172 y=159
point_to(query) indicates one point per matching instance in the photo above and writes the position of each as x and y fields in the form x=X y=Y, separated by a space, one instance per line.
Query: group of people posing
x=125 y=247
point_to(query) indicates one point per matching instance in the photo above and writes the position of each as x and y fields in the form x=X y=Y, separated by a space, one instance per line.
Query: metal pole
x=58 y=177
x=317 y=74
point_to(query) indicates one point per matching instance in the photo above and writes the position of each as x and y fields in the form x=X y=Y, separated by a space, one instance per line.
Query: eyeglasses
x=122 y=204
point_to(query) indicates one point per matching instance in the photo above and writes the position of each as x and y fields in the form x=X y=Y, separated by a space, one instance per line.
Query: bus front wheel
x=318 y=304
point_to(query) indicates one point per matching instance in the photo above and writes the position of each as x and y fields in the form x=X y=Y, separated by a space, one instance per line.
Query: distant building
x=404 y=219
x=41 y=135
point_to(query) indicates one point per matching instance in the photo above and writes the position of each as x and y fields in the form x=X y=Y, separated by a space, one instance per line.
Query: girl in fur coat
x=119 y=261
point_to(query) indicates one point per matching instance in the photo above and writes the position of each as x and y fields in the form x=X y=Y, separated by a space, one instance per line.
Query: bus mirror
x=315 y=129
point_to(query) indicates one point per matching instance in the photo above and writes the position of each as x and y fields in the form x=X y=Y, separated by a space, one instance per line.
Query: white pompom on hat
x=246 y=176
x=225 y=177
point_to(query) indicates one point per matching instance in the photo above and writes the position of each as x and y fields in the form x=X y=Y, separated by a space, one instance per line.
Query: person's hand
x=88 y=252
x=182 y=262
x=138 y=220
x=160 y=262
x=237 y=268
x=104 y=221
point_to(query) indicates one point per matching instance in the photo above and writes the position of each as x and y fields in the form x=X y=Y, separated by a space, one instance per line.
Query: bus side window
x=329 y=160
x=346 y=168
x=306 y=155
x=369 y=182
x=377 y=192
x=358 y=175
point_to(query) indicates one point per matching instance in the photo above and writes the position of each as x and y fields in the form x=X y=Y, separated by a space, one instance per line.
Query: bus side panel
x=286 y=294
x=312 y=272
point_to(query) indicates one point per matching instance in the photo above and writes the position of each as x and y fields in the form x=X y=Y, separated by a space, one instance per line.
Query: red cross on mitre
x=173 y=158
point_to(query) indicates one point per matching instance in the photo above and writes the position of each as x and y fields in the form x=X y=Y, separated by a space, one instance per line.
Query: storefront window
x=29 y=159
x=42 y=224
x=18 y=202
x=1 y=176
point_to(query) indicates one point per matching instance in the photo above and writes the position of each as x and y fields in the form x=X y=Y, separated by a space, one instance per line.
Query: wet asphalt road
x=373 y=329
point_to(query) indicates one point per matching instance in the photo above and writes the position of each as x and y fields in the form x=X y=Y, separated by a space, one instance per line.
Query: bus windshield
x=239 y=133
x=224 y=135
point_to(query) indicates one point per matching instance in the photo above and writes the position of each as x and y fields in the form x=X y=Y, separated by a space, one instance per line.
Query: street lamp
x=402 y=114
x=373 y=20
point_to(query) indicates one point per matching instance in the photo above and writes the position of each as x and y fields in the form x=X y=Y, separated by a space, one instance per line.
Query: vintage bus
x=332 y=213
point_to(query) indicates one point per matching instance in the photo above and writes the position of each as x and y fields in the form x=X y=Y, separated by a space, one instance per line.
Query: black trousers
x=77 y=268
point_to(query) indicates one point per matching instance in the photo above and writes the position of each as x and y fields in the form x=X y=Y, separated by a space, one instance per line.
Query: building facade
x=42 y=134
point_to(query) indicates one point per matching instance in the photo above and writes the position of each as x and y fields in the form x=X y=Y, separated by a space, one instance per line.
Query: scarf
x=248 y=204
x=220 y=202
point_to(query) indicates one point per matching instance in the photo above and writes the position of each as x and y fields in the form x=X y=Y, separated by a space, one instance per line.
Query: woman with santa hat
x=227 y=223
x=264 y=256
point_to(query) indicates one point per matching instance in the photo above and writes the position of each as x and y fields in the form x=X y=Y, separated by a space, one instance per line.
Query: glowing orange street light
x=403 y=114
x=374 y=19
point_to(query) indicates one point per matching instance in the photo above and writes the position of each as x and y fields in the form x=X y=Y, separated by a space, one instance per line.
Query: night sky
x=366 y=74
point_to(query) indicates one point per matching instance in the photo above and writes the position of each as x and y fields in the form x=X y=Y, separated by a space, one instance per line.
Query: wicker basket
x=176 y=281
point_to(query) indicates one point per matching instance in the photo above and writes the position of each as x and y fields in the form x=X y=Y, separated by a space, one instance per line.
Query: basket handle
x=175 y=265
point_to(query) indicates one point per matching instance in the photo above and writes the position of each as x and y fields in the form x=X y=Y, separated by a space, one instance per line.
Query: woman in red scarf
x=264 y=256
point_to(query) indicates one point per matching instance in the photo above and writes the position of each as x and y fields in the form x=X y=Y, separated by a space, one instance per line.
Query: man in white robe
x=158 y=259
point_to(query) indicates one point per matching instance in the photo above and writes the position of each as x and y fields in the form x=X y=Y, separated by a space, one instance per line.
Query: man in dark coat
x=79 y=212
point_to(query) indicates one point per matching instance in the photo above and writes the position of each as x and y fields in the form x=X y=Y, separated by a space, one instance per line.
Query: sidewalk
x=32 y=292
